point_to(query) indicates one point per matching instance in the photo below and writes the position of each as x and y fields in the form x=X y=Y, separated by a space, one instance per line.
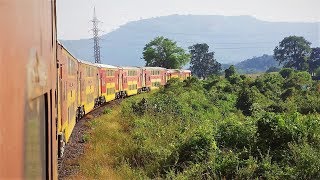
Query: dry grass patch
x=104 y=143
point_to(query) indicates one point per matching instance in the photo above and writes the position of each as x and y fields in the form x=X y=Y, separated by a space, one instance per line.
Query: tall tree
x=202 y=62
x=230 y=71
x=293 y=52
x=163 y=52
x=314 y=60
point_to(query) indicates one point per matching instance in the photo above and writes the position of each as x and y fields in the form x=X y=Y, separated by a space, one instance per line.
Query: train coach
x=153 y=77
x=28 y=90
x=109 y=82
x=78 y=92
x=68 y=93
x=178 y=73
x=185 y=74
x=130 y=81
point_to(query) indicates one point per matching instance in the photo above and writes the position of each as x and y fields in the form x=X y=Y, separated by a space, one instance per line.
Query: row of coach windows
x=71 y=67
x=133 y=87
x=110 y=72
x=156 y=84
x=90 y=71
x=132 y=73
x=111 y=91
x=155 y=72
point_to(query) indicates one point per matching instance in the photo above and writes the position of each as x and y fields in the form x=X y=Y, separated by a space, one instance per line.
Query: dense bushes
x=234 y=128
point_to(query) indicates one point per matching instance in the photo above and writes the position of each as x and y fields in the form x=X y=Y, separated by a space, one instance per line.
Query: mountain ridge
x=233 y=38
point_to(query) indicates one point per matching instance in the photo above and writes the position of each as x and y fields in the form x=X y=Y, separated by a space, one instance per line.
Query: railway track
x=68 y=164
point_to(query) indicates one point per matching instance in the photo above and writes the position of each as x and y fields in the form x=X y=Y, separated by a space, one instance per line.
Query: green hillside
x=235 y=128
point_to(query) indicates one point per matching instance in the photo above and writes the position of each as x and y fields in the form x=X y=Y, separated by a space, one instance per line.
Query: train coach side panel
x=130 y=79
x=108 y=83
x=28 y=89
x=185 y=74
x=89 y=85
x=68 y=91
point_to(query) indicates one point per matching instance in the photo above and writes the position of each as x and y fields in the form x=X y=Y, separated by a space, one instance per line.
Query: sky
x=74 y=16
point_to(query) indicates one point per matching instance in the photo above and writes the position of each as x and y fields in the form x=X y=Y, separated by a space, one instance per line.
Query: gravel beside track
x=68 y=164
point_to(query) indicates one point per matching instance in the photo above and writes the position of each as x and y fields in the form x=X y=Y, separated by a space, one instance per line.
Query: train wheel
x=61 y=145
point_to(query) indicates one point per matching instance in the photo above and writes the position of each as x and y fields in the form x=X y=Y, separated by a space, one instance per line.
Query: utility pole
x=96 y=38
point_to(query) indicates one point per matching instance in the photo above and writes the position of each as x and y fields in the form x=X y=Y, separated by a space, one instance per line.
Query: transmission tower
x=96 y=38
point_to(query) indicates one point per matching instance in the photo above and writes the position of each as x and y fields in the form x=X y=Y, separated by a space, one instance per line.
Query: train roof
x=88 y=63
x=173 y=70
x=128 y=67
x=178 y=70
x=107 y=66
x=153 y=68
x=186 y=70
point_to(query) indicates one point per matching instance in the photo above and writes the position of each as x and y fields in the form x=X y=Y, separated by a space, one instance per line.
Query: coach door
x=120 y=77
x=143 y=79
x=38 y=138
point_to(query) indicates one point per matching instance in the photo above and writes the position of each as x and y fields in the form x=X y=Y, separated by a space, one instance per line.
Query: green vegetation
x=202 y=61
x=163 y=52
x=220 y=128
x=295 y=52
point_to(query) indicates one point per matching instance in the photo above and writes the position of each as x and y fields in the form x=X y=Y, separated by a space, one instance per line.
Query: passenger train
x=45 y=90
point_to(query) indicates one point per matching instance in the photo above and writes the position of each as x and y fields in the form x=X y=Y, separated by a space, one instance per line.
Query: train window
x=65 y=91
x=71 y=67
x=36 y=138
x=60 y=71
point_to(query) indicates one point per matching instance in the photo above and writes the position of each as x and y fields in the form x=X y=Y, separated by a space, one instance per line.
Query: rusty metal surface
x=27 y=77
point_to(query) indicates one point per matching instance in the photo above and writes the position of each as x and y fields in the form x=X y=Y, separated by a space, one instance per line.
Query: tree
x=202 y=62
x=314 y=60
x=293 y=52
x=230 y=71
x=163 y=52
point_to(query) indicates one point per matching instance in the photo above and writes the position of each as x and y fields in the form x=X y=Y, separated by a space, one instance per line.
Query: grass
x=106 y=145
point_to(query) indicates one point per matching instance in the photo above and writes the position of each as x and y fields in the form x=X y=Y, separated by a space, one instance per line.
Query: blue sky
x=74 y=15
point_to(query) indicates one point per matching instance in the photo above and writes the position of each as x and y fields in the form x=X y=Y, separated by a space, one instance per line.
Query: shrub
x=286 y=72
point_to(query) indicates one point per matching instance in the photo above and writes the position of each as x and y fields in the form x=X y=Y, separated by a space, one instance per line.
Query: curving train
x=45 y=90
x=83 y=86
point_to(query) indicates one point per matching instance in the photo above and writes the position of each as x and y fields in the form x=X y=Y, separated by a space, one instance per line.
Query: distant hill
x=257 y=64
x=233 y=38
